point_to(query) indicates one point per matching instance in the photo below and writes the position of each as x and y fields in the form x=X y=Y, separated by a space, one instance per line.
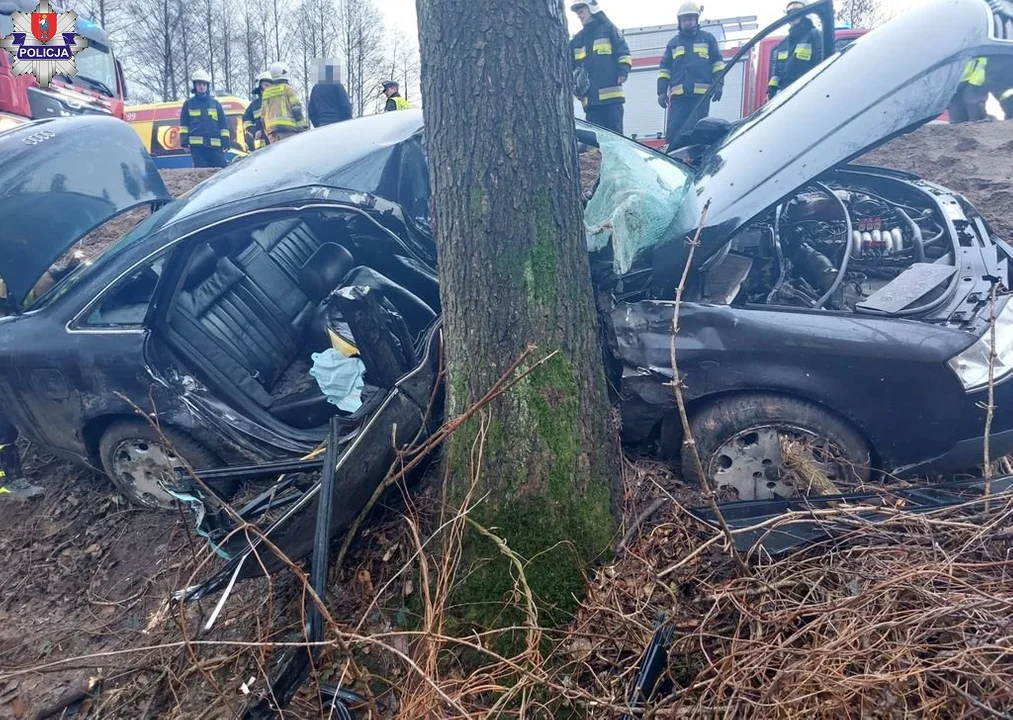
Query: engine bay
x=843 y=244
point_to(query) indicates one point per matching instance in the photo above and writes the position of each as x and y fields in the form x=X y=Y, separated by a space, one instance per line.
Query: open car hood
x=892 y=80
x=59 y=180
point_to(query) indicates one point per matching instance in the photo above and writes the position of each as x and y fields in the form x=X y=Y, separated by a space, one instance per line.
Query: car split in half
x=842 y=307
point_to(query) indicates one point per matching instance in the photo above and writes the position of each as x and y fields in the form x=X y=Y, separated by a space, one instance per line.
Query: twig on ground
x=688 y=442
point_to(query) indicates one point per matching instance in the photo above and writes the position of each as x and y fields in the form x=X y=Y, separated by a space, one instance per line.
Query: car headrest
x=324 y=270
x=203 y=263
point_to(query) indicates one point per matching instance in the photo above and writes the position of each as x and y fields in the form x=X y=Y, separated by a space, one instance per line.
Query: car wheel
x=135 y=457
x=740 y=441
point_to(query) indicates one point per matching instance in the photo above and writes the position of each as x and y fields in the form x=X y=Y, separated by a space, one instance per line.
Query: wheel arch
x=672 y=422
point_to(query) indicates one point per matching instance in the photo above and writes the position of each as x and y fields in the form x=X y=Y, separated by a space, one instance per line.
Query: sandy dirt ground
x=83 y=573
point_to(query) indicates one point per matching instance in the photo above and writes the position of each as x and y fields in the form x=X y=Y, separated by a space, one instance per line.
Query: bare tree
x=361 y=38
x=859 y=13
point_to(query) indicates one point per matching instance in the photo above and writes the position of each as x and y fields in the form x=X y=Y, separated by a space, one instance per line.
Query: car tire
x=132 y=452
x=738 y=440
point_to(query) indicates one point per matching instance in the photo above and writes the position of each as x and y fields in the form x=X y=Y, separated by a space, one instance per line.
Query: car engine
x=835 y=244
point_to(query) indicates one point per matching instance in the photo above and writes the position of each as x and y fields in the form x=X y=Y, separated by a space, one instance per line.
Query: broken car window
x=126 y=303
x=638 y=202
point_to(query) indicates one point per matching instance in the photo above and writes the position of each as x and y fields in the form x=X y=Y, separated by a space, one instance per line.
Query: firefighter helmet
x=591 y=5
x=200 y=76
x=266 y=75
x=279 y=71
x=793 y=5
x=689 y=8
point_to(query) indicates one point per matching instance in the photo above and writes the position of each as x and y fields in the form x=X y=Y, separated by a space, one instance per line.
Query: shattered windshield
x=638 y=202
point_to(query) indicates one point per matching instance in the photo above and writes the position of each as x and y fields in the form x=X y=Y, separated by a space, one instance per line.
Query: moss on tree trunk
x=514 y=271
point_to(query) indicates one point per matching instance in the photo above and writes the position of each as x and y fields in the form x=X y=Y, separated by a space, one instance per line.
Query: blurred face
x=201 y=87
x=791 y=8
x=265 y=84
x=583 y=14
x=388 y=91
x=688 y=22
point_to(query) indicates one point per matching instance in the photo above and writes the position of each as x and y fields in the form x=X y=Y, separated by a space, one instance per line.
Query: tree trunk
x=513 y=271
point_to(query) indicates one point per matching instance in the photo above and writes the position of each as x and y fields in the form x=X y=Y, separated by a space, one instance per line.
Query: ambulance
x=157 y=124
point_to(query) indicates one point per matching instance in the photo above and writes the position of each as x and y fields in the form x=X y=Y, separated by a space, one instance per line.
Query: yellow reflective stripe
x=256 y=114
x=678 y=90
x=678 y=52
x=225 y=132
x=216 y=142
x=602 y=46
x=628 y=59
x=664 y=75
x=719 y=66
x=1007 y=94
x=804 y=51
x=195 y=113
x=197 y=140
x=610 y=93
x=700 y=88
x=579 y=53
x=782 y=55
x=183 y=129
x=774 y=82
x=283 y=122
x=273 y=91
x=213 y=113
x=702 y=50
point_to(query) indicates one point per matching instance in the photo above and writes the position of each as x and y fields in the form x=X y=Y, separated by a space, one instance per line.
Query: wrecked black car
x=841 y=307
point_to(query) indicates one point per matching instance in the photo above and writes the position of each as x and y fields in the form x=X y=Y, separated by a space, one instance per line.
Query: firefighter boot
x=11 y=480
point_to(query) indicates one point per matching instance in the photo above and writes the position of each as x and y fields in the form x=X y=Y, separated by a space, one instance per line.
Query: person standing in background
x=329 y=102
x=601 y=63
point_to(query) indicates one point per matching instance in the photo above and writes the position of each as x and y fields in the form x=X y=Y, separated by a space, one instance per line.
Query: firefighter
x=797 y=54
x=280 y=109
x=329 y=102
x=203 y=127
x=968 y=102
x=394 y=100
x=691 y=61
x=251 y=118
x=601 y=62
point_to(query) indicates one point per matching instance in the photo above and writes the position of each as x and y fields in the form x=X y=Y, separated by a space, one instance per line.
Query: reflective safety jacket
x=796 y=55
x=280 y=108
x=974 y=72
x=202 y=122
x=251 y=117
x=602 y=51
x=689 y=64
x=396 y=102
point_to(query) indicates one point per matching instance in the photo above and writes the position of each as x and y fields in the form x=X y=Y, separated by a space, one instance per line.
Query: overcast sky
x=640 y=13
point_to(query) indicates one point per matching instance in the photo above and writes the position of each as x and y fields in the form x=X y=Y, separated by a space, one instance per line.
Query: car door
x=95 y=365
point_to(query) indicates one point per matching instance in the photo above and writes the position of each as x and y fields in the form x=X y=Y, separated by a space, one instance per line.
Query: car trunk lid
x=59 y=180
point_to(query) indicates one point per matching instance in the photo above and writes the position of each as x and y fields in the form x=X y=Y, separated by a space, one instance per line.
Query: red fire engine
x=98 y=87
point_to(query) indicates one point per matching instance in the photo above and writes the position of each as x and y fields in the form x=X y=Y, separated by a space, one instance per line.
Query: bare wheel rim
x=140 y=464
x=750 y=465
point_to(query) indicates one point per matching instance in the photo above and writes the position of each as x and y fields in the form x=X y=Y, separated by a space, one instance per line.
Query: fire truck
x=745 y=85
x=98 y=88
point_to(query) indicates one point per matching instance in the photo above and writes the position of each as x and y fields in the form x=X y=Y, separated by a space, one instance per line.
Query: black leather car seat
x=289 y=243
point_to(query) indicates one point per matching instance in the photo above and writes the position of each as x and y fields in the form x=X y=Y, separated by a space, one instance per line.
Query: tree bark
x=514 y=271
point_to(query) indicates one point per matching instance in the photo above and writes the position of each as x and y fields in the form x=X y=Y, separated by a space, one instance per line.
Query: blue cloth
x=339 y=378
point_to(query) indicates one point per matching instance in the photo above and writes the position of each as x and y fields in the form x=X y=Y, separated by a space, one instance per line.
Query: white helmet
x=591 y=5
x=266 y=75
x=200 y=76
x=279 y=71
x=690 y=8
